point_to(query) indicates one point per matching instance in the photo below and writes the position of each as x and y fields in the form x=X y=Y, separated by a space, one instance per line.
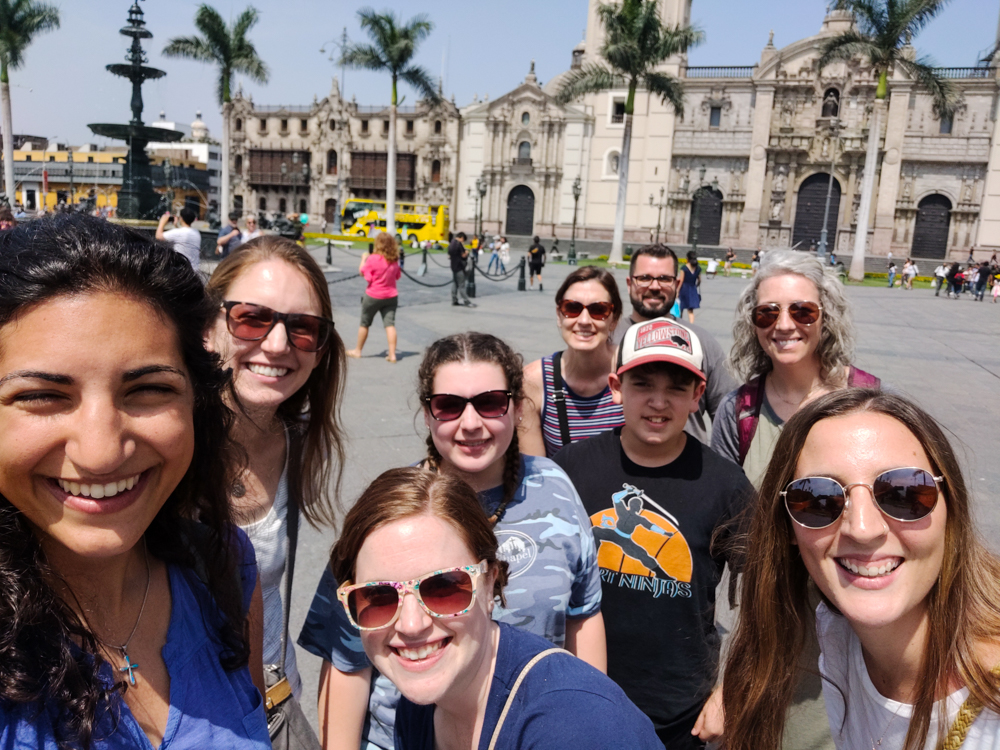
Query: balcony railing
x=617 y=117
x=719 y=71
x=979 y=72
x=262 y=177
x=521 y=161
x=274 y=108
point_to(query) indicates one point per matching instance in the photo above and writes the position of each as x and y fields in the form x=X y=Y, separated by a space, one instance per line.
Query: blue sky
x=480 y=46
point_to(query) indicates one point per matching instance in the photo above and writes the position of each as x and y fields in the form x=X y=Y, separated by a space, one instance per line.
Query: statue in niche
x=907 y=190
x=777 y=208
x=831 y=103
x=779 y=182
x=826 y=148
x=854 y=211
x=787 y=112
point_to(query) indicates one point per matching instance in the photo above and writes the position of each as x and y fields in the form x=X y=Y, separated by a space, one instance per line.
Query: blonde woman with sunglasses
x=864 y=506
x=568 y=394
x=471 y=392
x=422 y=576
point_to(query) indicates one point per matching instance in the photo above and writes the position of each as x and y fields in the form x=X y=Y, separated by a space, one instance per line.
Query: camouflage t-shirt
x=546 y=539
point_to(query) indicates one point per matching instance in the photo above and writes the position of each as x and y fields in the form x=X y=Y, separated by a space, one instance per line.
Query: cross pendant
x=129 y=667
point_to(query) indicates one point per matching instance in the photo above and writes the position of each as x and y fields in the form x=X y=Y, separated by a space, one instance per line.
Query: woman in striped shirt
x=568 y=397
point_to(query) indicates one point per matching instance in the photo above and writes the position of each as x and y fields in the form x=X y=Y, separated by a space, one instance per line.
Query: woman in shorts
x=381 y=270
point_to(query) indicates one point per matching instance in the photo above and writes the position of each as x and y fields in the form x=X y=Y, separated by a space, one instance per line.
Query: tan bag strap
x=517 y=684
x=967 y=716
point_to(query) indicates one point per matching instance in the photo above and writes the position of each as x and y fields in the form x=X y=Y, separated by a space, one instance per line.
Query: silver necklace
x=877 y=745
x=132 y=667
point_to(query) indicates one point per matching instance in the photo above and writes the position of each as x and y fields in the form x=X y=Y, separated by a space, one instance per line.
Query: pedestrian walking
x=381 y=270
x=996 y=288
x=458 y=256
x=940 y=278
x=536 y=259
x=183 y=238
x=494 y=256
x=910 y=272
x=755 y=262
x=730 y=257
x=690 y=293
x=568 y=394
x=274 y=330
x=982 y=280
x=954 y=281
x=891 y=273
x=504 y=255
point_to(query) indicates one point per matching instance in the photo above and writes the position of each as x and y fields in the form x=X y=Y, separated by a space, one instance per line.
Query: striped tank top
x=587 y=416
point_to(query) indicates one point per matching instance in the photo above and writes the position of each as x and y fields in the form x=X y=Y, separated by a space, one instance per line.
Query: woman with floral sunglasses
x=274 y=330
x=470 y=387
x=423 y=575
x=865 y=503
x=568 y=394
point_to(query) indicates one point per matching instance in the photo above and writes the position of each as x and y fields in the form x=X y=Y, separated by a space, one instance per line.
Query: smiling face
x=655 y=405
x=473 y=446
x=583 y=332
x=902 y=560
x=97 y=393
x=430 y=659
x=270 y=371
x=655 y=300
x=786 y=342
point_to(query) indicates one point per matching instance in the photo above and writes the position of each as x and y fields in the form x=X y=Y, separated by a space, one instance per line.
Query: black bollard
x=423 y=265
x=329 y=253
x=521 y=284
x=470 y=282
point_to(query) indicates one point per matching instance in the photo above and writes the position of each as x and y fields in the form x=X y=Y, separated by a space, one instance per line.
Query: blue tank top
x=587 y=415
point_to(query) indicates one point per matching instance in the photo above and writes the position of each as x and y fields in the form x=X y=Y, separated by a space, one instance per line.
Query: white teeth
x=873 y=572
x=98 y=491
x=416 y=654
x=271 y=372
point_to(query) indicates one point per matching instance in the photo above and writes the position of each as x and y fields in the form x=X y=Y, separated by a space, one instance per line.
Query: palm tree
x=229 y=49
x=881 y=38
x=636 y=44
x=393 y=45
x=20 y=20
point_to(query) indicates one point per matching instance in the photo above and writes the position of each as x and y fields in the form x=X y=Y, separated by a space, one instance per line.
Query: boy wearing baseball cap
x=656 y=496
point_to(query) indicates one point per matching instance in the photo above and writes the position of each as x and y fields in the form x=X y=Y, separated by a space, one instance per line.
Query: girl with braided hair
x=470 y=386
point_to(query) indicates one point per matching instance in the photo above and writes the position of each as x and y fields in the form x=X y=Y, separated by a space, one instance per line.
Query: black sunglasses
x=906 y=494
x=249 y=322
x=446 y=407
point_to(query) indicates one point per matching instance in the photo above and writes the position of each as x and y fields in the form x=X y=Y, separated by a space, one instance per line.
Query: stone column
x=757 y=168
x=988 y=233
x=888 y=180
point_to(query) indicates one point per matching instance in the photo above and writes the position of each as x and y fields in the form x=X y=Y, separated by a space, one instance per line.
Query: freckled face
x=95 y=389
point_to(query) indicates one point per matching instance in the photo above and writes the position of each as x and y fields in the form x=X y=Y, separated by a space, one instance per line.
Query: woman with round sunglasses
x=423 y=576
x=274 y=330
x=865 y=503
x=793 y=341
x=381 y=270
x=471 y=389
x=568 y=394
x=124 y=622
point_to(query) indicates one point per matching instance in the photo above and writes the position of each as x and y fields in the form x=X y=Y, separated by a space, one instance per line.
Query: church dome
x=199 y=130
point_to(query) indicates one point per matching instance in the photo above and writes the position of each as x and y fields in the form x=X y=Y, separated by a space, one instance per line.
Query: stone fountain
x=137 y=199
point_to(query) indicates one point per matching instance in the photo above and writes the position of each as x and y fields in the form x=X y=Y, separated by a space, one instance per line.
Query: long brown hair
x=385 y=245
x=963 y=605
x=476 y=347
x=410 y=491
x=313 y=412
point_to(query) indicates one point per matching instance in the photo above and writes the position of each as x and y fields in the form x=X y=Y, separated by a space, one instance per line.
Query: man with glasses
x=652 y=288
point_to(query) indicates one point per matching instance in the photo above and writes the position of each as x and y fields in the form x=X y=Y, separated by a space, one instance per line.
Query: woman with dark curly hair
x=423 y=575
x=130 y=610
x=471 y=389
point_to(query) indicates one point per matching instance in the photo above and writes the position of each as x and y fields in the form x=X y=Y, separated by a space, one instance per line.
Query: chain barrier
x=418 y=281
x=498 y=277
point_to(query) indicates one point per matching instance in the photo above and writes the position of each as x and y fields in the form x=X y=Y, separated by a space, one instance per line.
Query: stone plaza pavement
x=943 y=353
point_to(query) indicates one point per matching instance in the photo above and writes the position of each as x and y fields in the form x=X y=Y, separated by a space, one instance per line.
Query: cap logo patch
x=663 y=333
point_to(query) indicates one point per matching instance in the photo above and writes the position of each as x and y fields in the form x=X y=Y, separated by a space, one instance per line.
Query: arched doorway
x=520 y=211
x=330 y=211
x=930 y=236
x=708 y=208
x=810 y=209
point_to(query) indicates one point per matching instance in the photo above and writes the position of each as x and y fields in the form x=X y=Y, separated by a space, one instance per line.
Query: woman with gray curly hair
x=793 y=341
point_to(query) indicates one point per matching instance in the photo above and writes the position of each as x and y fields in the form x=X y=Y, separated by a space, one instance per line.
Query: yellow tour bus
x=414 y=221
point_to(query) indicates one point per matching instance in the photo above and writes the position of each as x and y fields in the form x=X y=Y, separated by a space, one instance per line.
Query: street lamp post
x=481 y=187
x=577 y=191
x=72 y=190
x=659 y=210
x=821 y=251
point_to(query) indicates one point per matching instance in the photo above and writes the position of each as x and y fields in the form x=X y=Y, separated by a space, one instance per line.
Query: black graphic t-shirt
x=654 y=528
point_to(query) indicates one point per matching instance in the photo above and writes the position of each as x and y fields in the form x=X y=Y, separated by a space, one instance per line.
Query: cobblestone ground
x=943 y=353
